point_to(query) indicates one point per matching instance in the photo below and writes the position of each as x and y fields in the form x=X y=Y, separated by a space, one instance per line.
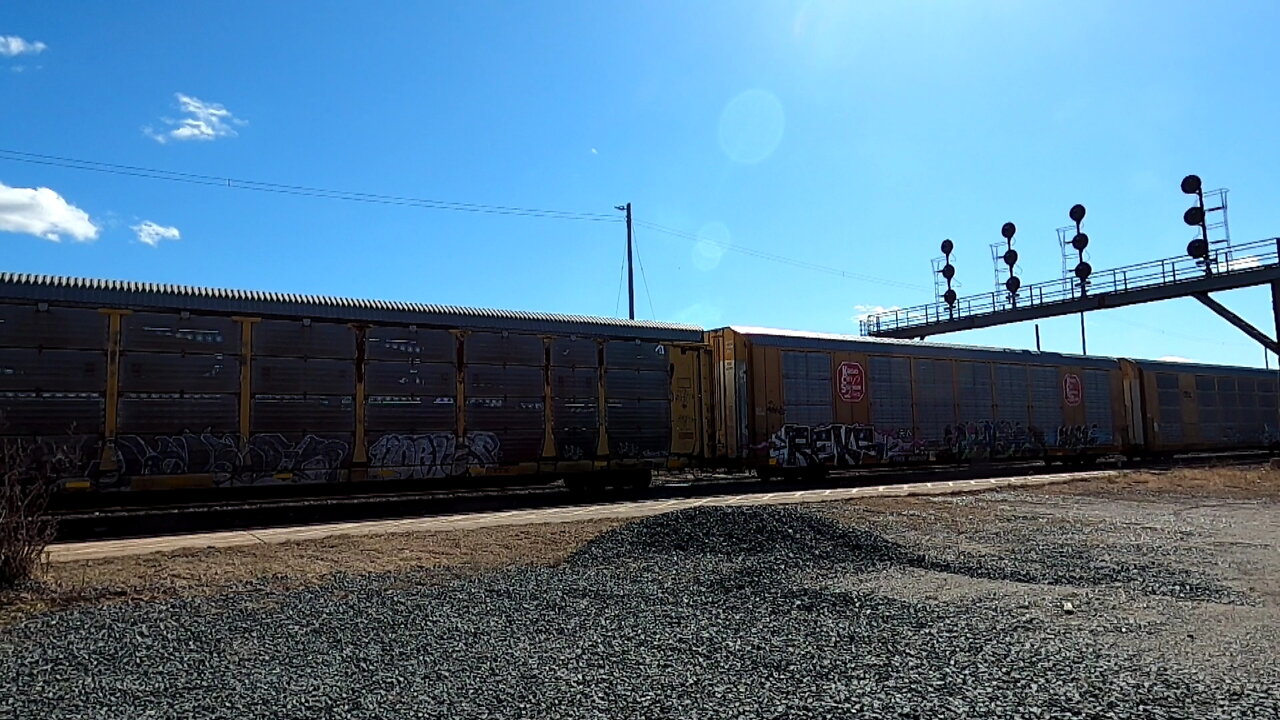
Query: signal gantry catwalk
x=1207 y=267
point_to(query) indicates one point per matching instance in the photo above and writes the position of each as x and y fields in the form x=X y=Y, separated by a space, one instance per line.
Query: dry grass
x=1258 y=482
x=157 y=576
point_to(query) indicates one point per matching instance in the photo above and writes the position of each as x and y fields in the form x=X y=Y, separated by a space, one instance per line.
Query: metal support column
x=1240 y=322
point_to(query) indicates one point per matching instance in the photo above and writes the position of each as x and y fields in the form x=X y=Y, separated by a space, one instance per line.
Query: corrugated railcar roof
x=1178 y=366
x=153 y=296
x=802 y=340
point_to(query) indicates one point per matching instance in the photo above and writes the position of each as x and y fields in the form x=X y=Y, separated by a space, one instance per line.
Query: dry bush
x=26 y=528
x=29 y=475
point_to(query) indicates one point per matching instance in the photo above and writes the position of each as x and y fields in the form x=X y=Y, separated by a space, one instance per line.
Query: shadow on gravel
x=792 y=536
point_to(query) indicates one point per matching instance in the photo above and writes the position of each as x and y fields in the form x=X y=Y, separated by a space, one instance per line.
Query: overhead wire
x=299 y=190
x=780 y=259
x=425 y=203
x=652 y=313
x=622 y=275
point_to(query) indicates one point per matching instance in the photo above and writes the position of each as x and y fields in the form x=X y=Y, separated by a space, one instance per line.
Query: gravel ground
x=1012 y=605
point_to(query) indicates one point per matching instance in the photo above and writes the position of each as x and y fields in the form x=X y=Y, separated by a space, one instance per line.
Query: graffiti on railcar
x=46 y=458
x=434 y=455
x=268 y=457
x=901 y=445
x=1078 y=437
x=839 y=444
x=209 y=453
x=985 y=439
x=312 y=459
x=631 y=450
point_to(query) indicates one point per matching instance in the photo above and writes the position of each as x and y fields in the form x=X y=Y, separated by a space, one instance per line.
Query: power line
x=652 y=313
x=299 y=190
x=781 y=259
x=383 y=199
x=622 y=275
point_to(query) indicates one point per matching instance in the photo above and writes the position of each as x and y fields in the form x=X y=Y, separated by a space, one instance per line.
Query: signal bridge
x=1256 y=263
x=1203 y=270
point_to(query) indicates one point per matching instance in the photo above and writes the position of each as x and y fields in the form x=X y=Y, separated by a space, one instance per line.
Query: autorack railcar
x=1190 y=407
x=789 y=402
x=114 y=386
x=137 y=386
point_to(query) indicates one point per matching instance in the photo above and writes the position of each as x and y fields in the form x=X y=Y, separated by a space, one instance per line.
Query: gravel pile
x=768 y=533
x=711 y=613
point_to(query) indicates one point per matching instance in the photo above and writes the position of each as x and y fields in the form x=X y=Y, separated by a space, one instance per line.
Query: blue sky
x=853 y=136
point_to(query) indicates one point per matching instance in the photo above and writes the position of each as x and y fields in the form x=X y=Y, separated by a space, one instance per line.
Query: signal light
x=949 y=273
x=1080 y=242
x=1010 y=258
x=1195 y=217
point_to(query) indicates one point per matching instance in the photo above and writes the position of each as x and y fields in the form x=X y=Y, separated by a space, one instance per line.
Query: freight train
x=113 y=386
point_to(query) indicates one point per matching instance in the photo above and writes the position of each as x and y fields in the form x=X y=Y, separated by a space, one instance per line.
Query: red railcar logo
x=853 y=382
x=1072 y=391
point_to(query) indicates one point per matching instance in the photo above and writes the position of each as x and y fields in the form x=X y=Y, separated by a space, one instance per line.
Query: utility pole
x=631 y=277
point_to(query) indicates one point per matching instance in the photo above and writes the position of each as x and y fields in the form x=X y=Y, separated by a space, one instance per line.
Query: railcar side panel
x=411 y=402
x=53 y=369
x=815 y=401
x=1199 y=407
x=637 y=385
x=575 y=396
x=505 y=418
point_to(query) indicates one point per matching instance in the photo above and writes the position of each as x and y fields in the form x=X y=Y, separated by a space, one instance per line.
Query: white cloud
x=862 y=312
x=1175 y=358
x=203 y=121
x=43 y=213
x=13 y=46
x=152 y=233
x=595 y=151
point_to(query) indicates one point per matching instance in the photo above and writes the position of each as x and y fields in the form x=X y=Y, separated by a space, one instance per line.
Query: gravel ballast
x=763 y=612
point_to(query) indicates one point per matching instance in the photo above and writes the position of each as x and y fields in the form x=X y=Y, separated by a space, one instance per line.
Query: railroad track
x=153 y=520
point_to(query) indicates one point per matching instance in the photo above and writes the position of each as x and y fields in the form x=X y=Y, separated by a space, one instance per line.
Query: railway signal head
x=1077 y=213
x=949 y=272
x=1011 y=258
x=949 y=296
x=1007 y=230
x=1012 y=284
x=1080 y=241
x=1195 y=217
x=1084 y=270
x=947 y=247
